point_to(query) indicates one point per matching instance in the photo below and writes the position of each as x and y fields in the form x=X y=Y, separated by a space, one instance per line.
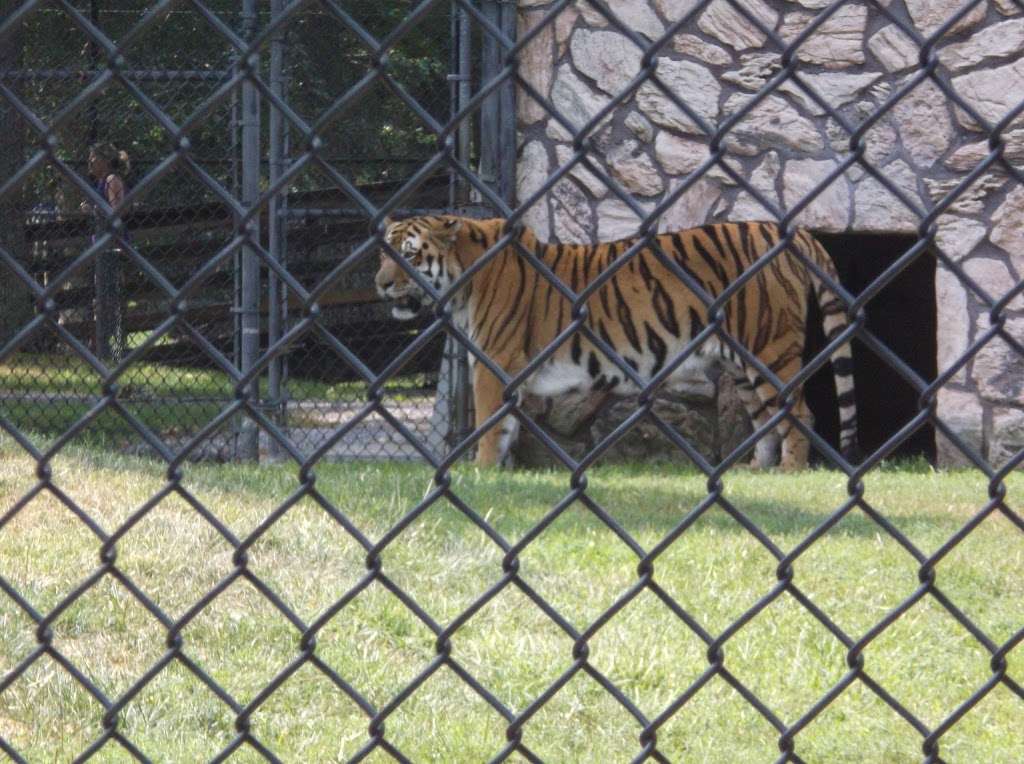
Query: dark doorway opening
x=903 y=317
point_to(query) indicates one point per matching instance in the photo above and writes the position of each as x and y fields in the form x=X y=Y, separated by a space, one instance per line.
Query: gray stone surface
x=958 y=236
x=773 y=122
x=616 y=220
x=962 y=413
x=535 y=66
x=998 y=368
x=969 y=156
x=929 y=15
x=830 y=209
x=952 y=335
x=878 y=209
x=574 y=99
x=1008 y=223
x=835 y=88
x=691 y=208
x=894 y=50
x=991 y=92
x=607 y=57
x=573 y=220
x=679 y=156
x=994 y=277
x=640 y=126
x=836 y=44
x=970 y=201
x=999 y=41
x=923 y=121
x=692 y=83
x=763 y=179
x=755 y=70
x=695 y=47
x=1007 y=436
x=723 y=22
x=634 y=169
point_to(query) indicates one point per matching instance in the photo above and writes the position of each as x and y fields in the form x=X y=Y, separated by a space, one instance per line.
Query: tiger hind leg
x=795 y=446
x=766 y=451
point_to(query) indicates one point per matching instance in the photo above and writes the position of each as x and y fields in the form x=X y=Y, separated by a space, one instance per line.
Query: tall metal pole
x=275 y=232
x=248 y=435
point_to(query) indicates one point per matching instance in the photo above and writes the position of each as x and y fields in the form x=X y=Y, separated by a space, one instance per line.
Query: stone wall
x=855 y=61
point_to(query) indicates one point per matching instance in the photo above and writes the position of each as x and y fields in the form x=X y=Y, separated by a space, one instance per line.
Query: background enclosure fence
x=269 y=141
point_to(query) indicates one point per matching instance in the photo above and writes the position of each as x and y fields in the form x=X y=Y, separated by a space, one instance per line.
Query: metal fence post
x=248 y=434
x=276 y=231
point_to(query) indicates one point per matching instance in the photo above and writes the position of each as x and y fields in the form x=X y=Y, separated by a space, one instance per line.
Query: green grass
x=716 y=570
x=49 y=394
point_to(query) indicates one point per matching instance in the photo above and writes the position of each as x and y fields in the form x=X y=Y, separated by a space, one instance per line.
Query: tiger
x=644 y=311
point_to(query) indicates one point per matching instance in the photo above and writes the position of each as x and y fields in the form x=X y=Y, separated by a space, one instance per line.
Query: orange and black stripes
x=644 y=311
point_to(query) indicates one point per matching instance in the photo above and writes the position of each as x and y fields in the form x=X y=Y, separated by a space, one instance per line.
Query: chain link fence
x=245 y=245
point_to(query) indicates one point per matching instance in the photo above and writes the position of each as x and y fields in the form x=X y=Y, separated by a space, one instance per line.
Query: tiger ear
x=388 y=222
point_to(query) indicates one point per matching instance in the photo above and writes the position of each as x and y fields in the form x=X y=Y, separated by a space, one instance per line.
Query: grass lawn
x=48 y=393
x=716 y=570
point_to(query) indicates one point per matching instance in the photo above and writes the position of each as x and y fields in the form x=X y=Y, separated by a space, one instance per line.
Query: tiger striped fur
x=644 y=312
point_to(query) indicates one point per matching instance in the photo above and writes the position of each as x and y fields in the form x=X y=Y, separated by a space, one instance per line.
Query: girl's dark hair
x=118 y=160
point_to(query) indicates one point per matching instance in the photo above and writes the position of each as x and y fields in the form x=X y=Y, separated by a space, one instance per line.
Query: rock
x=673 y=10
x=830 y=208
x=608 y=58
x=565 y=22
x=922 y=119
x=763 y=180
x=639 y=126
x=574 y=99
x=834 y=88
x=695 y=47
x=531 y=173
x=878 y=209
x=998 y=369
x=879 y=144
x=958 y=236
x=692 y=208
x=994 y=277
x=573 y=220
x=990 y=92
x=723 y=22
x=836 y=44
x=970 y=201
x=893 y=49
x=692 y=83
x=1008 y=226
x=929 y=15
x=970 y=156
x=994 y=42
x=963 y=414
x=634 y=15
x=616 y=220
x=773 y=121
x=591 y=182
x=679 y=156
x=755 y=70
x=951 y=333
x=634 y=169
x=1007 y=7
x=535 y=66
x=1007 y=436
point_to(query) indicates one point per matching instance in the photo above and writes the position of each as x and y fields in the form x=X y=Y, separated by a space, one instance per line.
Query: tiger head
x=428 y=244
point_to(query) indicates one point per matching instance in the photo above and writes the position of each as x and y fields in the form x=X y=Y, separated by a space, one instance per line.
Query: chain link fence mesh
x=183 y=237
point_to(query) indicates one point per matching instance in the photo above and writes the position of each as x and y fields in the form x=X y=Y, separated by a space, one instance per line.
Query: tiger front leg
x=495 y=446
